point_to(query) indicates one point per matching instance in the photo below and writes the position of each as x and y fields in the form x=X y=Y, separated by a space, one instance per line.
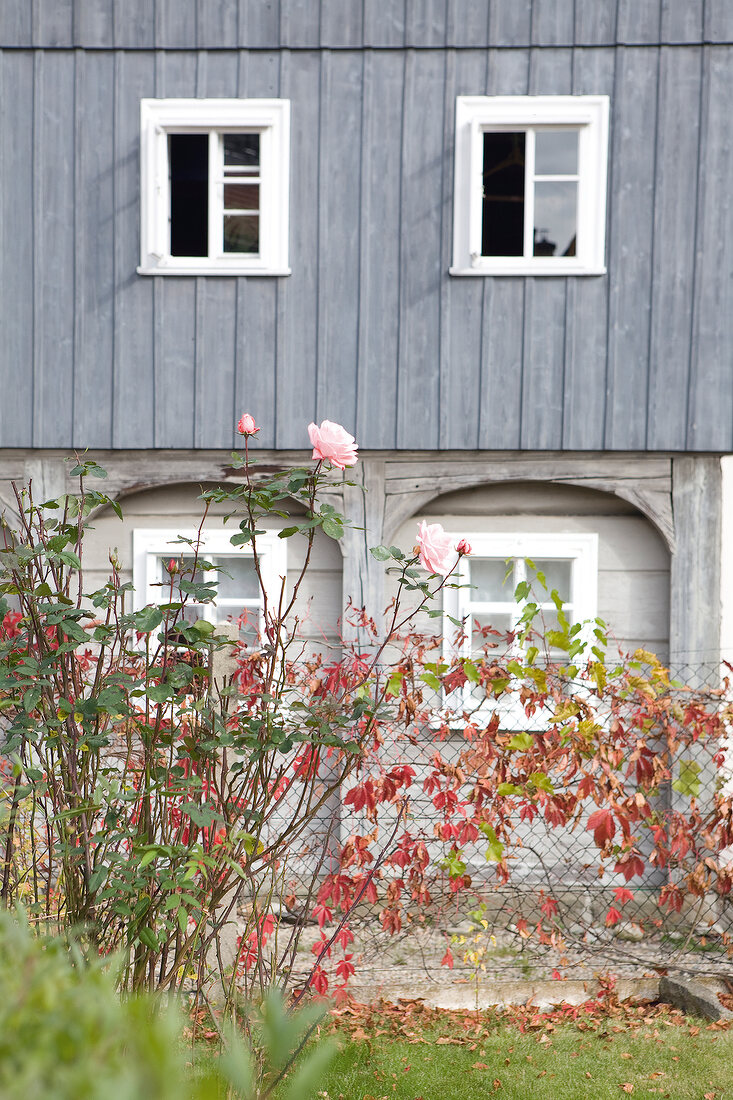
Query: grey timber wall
x=370 y=329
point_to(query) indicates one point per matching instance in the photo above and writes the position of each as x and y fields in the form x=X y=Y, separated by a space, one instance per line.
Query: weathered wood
x=16 y=253
x=595 y=24
x=467 y=23
x=718 y=21
x=300 y=23
x=420 y=274
x=133 y=370
x=54 y=131
x=586 y=316
x=340 y=171
x=94 y=284
x=682 y=20
x=53 y=24
x=630 y=251
x=710 y=424
x=510 y=24
x=259 y=23
x=341 y=24
x=425 y=23
x=461 y=300
x=379 y=283
x=93 y=23
x=363 y=575
x=384 y=23
x=16 y=23
x=695 y=568
x=675 y=200
x=553 y=22
x=217 y=23
x=298 y=295
x=175 y=24
x=502 y=319
x=134 y=24
x=637 y=22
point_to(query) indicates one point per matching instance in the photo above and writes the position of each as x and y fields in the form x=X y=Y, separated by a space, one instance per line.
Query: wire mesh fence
x=551 y=907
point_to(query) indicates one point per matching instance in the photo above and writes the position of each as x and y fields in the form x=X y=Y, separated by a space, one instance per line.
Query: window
x=214 y=186
x=530 y=185
x=239 y=596
x=488 y=579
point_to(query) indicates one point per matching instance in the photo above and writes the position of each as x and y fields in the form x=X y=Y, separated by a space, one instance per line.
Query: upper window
x=214 y=187
x=530 y=185
x=239 y=596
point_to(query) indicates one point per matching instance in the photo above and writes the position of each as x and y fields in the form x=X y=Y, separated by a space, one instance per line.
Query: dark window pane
x=555 y=218
x=556 y=153
x=238 y=578
x=241 y=196
x=241 y=233
x=241 y=150
x=189 y=178
x=503 y=202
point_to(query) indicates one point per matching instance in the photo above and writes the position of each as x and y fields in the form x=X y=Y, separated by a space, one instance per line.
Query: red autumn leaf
x=623 y=895
x=603 y=826
x=447 y=959
x=612 y=917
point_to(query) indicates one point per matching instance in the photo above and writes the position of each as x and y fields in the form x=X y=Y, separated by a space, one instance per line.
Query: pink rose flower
x=334 y=443
x=463 y=547
x=247 y=425
x=436 y=548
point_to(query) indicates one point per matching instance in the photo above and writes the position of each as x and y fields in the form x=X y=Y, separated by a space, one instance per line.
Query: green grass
x=563 y=1064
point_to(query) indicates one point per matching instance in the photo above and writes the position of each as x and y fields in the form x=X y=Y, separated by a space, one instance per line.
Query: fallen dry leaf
x=627 y=1086
x=479 y=1065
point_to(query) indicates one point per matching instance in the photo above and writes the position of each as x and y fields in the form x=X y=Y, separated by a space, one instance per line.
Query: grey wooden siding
x=369 y=329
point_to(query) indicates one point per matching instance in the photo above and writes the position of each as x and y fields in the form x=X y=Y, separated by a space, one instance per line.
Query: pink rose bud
x=246 y=425
x=172 y=566
x=435 y=548
x=333 y=443
x=464 y=547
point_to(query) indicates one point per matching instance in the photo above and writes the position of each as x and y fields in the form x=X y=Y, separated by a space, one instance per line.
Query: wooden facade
x=369 y=329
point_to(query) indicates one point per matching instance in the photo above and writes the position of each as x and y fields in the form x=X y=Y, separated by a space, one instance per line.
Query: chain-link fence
x=551 y=906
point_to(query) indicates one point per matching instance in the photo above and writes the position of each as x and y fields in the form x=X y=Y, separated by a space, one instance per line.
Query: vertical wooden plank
x=217 y=24
x=420 y=273
x=174 y=319
x=93 y=23
x=134 y=24
x=510 y=23
x=544 y=302
x=711 y=393
x=695 y=566
x=425 y=23
x=384 y=23
x=553 y=22
x=595 y=24
x=461 y=299
x=256 y=305
x=682 y=20
x=216 y=298
x=15 y=23
x=53 y=252
x=341 y=24
x=718 y=21
x=503 y=302
x=338 y=232
x=379 y=283
x=259 y=23
x=16 y=248
x=175 y=24
x=300 y=23
x=675 y=201
x=133 y=391
x=631 y=196
x=638 y=23
x=467 y=23
x=586 y=317
x=298 y=294
x=94 y=266
x=52 y=23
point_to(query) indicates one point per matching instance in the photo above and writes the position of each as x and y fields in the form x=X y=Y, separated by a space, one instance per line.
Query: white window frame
x=270 y=118
x=150 y=544
x=580 y=548
x=476 y=115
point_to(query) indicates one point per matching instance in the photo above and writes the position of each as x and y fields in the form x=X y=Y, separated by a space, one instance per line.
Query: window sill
x=222 y=271
x=535 y=269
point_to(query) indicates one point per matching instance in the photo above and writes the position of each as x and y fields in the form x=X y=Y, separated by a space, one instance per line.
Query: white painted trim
x=474 y=115
x=161 y=117
x=726 y=559
x=149 y=543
